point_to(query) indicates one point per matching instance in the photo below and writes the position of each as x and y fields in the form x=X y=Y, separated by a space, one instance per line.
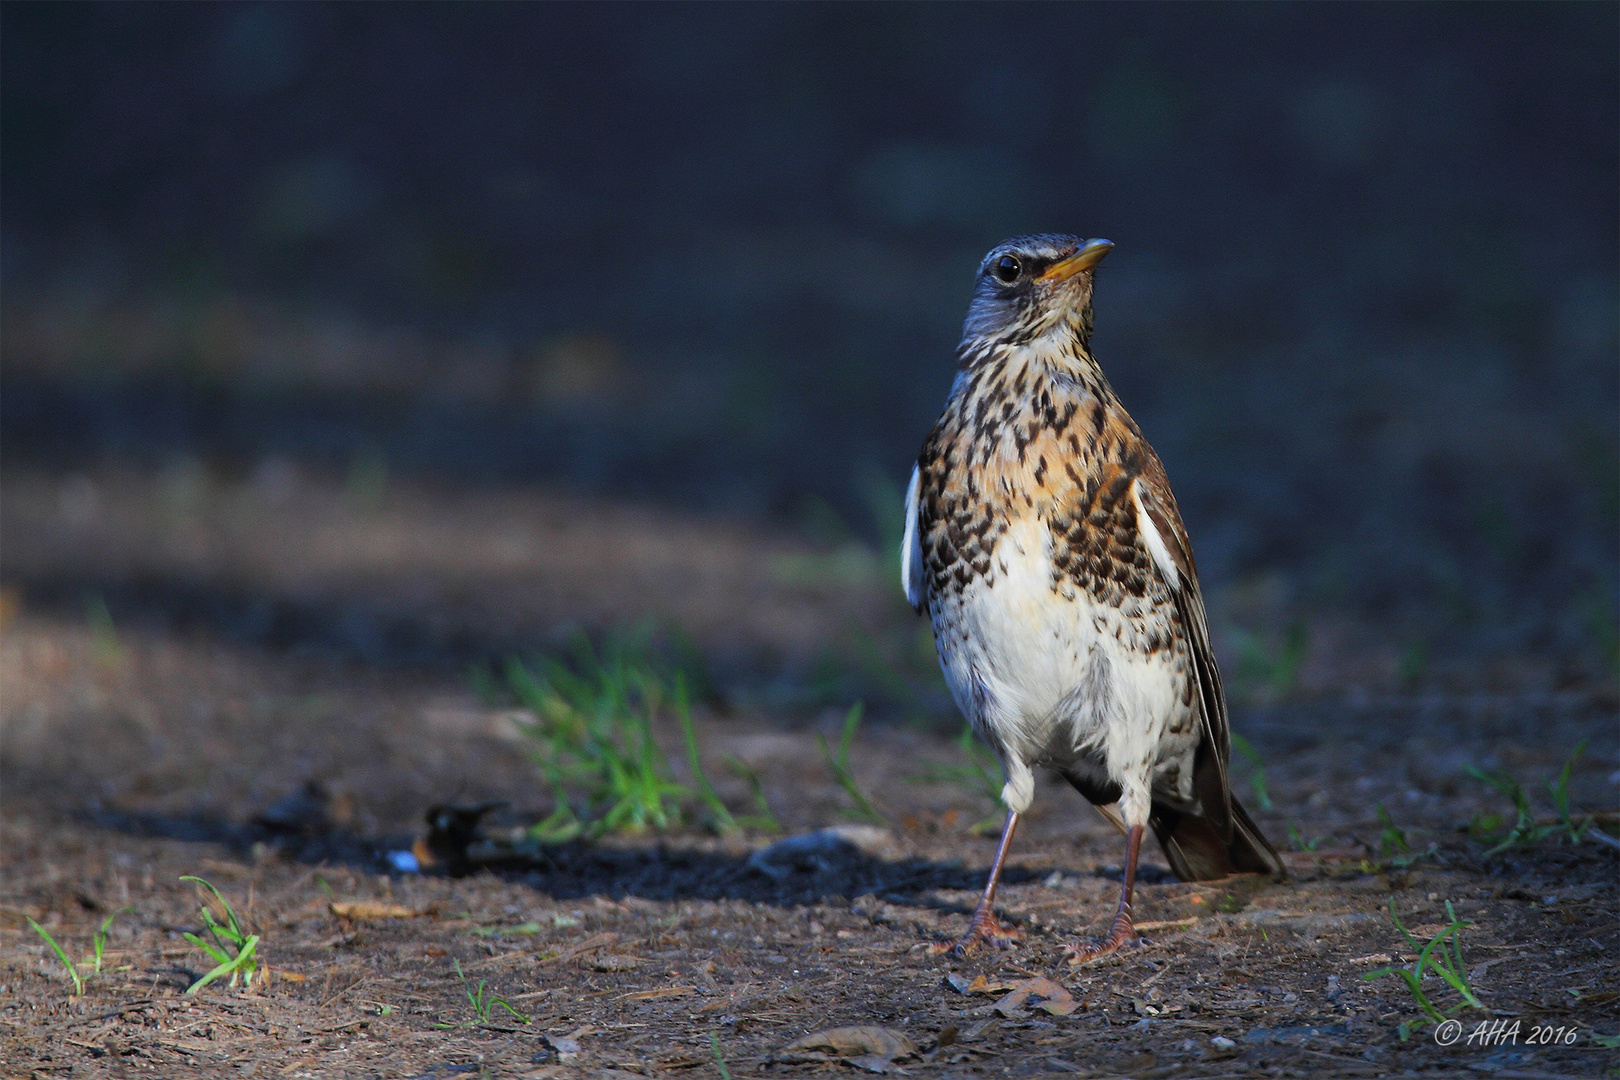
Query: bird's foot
x=1122 y=936
x=982 y=933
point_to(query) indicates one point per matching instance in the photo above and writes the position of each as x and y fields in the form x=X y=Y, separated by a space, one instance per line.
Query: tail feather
x=1198 y=852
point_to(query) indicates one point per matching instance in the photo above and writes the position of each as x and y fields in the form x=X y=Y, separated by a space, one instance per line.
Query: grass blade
x=78 y=981
x=839 y=764
x=234 y=967
x=99 y=942
x=683 y=714
x=1258 y=781
x=764 y=819
x=720 y=1062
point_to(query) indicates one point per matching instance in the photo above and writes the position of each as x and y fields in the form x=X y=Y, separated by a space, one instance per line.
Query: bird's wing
x=1159 y=524
x=912 y=574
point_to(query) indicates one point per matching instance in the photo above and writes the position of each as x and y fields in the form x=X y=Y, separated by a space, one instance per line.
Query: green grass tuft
x=1297 y=839
x=594 y=737
x=1395 y=851
x=1392 y=841
x=592 y=733
x=839 y=764
x=1442 y=955
x=234 y=950
x=483 y=1003
x=1257 y=780
x=98 y=945
x=1525 y=830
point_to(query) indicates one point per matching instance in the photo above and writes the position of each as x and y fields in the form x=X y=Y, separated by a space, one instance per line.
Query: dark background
x=716 y=258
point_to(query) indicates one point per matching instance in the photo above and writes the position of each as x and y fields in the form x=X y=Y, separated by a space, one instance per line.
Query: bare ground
x=240 y=672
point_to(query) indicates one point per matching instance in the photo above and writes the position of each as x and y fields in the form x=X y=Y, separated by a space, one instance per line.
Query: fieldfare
x=1043 y=542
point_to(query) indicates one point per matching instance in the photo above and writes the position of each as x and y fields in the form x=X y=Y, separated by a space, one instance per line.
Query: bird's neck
x=1058 y=361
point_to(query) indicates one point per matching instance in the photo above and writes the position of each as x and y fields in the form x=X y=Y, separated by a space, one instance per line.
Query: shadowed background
x=713 y=260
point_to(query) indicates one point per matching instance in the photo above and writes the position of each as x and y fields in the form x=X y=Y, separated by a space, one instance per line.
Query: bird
x=1044 y=544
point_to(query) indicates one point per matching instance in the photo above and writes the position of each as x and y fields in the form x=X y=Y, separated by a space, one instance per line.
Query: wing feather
x=913 y=574
x=1159 y=522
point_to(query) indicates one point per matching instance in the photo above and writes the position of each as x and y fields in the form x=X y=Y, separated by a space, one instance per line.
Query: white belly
x=1046 y=679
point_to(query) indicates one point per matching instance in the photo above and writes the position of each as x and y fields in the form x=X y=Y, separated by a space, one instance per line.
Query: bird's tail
x=1197 y=851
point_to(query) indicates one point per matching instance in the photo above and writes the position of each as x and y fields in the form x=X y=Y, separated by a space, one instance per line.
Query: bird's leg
x=984 y=929
x=1123 y=932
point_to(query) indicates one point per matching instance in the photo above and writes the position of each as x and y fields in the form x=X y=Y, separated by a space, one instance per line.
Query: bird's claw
x=1122 y=937
x=986 y=933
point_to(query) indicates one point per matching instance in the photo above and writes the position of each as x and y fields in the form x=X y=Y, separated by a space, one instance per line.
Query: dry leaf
x=865 y=1046
x=1054 y=999
x=982 y=985
x=362 y=910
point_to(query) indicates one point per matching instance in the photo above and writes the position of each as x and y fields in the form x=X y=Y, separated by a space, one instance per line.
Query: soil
x=280 y=695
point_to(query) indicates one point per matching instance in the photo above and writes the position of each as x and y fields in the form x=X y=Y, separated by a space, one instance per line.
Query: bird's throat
x=1058 y=362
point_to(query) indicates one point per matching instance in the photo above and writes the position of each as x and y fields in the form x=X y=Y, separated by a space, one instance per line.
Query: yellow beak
x=1090 y=254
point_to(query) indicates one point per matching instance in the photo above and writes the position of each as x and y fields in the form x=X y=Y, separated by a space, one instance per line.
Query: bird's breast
x=1046 y=673
x=1031 y=631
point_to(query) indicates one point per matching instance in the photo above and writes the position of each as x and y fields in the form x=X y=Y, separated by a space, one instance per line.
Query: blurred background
x=333 y=328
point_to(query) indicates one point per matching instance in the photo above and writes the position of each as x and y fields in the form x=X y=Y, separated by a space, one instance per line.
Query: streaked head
x=1030 y=285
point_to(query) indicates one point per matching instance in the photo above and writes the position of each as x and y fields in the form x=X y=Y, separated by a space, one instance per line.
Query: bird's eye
x=1007 y=269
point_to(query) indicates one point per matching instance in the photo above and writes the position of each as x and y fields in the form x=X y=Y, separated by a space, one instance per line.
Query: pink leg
x=1123 y=932
x=984 y=929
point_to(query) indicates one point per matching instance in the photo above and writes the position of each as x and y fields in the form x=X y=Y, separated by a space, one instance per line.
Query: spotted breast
x=1059 y=638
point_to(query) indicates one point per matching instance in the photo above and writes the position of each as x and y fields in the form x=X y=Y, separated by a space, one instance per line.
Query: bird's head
x=1029 y=287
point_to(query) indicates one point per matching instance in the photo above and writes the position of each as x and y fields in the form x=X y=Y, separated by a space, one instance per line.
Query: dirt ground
x=270 y=690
